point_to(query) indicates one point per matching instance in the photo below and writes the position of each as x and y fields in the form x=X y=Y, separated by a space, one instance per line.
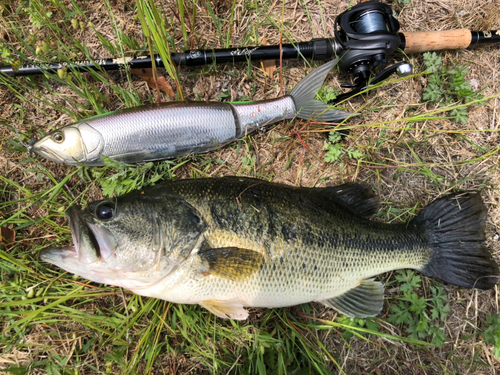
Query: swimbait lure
x=175 y=129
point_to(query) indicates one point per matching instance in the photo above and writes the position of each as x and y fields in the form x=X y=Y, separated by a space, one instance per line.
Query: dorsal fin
x=357 y=198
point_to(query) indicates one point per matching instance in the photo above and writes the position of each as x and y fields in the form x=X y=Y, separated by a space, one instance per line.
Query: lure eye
x=58 y=137
x=105 y=211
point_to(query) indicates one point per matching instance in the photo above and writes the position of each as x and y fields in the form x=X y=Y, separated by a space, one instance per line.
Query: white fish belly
x=297 y=279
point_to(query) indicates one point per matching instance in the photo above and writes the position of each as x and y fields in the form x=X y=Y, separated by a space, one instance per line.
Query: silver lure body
x=170 y=130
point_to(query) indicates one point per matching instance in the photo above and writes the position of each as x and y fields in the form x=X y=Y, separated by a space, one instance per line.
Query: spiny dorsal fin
x=366 y=300
x=231 y=309
x=357 y=198
x=231 y=263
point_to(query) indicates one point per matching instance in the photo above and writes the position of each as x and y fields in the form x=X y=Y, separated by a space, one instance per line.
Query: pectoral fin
x=231 y=309
x=231 y=262
x=366 y=300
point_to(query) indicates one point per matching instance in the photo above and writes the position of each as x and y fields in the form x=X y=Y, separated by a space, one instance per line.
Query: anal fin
x=366 y=300
x=231 y=309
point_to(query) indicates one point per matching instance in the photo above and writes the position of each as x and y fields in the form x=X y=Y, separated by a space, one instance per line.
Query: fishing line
x=28 y=146
x=370 y=22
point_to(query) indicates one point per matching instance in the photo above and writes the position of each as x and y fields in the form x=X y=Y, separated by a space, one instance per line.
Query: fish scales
x=312 y=250
x=233 y=242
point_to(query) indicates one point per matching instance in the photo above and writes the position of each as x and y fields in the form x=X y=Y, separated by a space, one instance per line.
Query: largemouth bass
x=232 y=242
x=175 y=129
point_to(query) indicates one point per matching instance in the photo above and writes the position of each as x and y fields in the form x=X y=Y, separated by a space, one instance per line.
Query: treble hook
x=28 y=146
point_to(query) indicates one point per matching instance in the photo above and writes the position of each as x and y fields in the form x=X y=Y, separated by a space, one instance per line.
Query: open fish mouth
x=86 y=239
x=51 y=255
x=93 y=254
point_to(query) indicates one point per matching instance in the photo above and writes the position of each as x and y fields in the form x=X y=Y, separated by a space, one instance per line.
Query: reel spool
x=367 y=34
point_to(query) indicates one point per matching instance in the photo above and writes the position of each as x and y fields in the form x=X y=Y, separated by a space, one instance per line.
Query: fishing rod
x=365 y=36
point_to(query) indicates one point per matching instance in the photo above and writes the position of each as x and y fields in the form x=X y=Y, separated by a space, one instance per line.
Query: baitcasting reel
x=365 y=36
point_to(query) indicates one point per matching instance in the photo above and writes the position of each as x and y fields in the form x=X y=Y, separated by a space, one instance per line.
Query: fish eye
x=58 y=137
x=105 y=211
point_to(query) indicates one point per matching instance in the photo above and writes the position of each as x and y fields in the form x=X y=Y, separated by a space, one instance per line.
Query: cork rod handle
x=437 y=40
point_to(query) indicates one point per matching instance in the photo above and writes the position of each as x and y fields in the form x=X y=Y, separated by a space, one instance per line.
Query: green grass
x=56 y=323
x=423 y=317
x=491 y=332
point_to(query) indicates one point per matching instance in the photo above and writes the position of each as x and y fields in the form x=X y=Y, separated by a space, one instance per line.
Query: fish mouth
x=92 y=243
x=40 y=149
x=54 y=255
x=95 y=254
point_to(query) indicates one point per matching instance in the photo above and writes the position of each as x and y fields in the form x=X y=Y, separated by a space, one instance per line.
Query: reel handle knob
x=404 y=69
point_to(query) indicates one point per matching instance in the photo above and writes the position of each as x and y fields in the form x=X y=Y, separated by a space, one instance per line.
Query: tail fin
x=455 y=228
x=306 y=90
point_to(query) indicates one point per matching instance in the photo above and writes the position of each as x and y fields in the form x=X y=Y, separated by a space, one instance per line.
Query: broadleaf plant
x=448 y=87
x=423 y=317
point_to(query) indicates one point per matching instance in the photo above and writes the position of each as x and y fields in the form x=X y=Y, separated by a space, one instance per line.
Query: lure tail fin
x=455 y=228
x=305 y=92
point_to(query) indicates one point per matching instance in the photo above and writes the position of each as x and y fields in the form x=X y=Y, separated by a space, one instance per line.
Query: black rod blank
x=316 y=49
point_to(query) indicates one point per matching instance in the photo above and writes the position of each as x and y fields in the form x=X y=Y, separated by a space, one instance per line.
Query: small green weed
x=393 y=214
x=368 y=323
x=448 y=86
x=6 y=55
x=423 y=317
x=326 y=94
x=132 y=177
x=276 y=354
x=335 y=150
x=491 y=333
x=37 y=14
